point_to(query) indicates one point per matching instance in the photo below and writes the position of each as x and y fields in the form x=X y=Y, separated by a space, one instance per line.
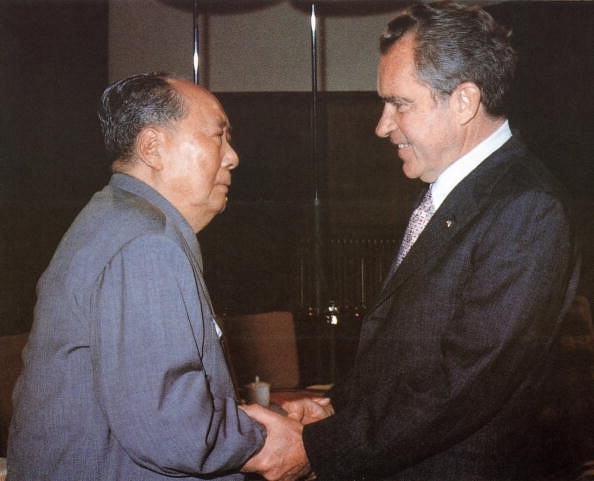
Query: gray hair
x=133 y=103
x=456 y=44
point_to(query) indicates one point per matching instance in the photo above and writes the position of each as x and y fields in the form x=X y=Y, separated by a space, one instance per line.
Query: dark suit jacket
x=452 y=356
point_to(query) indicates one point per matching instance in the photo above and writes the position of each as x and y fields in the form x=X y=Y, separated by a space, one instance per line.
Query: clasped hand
x=283 y=456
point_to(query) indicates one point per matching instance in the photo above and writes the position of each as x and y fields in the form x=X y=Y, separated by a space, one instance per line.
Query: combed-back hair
x=131 y=104
x=456 y=44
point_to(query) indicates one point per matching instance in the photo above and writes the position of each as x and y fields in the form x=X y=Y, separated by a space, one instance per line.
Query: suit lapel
x=445 y=224
x=212 y=347
x=195 y=257
x=457 y=211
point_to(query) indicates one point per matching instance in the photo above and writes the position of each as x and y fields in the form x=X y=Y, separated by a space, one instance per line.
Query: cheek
x=412 y=126
x=206 y=167
x=212 y=181
x=428 y=135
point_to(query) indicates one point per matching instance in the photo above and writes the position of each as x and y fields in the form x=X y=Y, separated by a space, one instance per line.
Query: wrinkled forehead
x=201 y=102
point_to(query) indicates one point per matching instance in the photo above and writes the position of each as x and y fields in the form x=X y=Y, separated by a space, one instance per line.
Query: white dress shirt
x=460 y=168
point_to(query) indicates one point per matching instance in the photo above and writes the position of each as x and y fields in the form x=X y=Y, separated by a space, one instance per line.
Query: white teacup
x=258 y=392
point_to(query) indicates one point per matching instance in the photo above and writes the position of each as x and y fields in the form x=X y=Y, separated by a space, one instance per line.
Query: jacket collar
x=145 y=191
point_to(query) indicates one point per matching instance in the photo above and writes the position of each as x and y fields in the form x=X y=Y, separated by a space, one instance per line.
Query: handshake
x=283 y=456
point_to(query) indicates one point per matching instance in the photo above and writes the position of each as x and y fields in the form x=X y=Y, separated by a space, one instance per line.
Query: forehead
x=397 y=66
x=202 y=106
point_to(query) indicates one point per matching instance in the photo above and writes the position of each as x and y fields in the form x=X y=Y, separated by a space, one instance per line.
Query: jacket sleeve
x=490 y=308
x=148 y=371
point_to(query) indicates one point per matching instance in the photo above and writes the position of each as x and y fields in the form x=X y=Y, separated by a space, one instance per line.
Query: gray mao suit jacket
x=124 y=377
x=449 y=377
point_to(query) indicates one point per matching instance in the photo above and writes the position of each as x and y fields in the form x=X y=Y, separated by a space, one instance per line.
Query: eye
x=401 y=106
x=219 y=135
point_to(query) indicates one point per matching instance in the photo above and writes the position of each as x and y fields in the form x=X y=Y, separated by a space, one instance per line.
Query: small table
x=280 y=396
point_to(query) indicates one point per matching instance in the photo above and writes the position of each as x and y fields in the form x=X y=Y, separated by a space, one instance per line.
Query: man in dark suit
x=124 y=377
x=454 y=354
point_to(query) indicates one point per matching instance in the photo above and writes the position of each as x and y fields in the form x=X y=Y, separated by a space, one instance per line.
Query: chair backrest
x=263 y=345
x=10 y=368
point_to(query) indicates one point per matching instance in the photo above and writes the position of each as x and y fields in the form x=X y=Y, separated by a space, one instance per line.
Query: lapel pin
x=449 y=223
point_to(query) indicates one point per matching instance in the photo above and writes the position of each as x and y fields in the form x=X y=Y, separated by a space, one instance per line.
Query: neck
x=480 y=130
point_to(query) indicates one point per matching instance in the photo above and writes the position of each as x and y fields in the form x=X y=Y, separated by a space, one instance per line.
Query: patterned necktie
x=418 y=220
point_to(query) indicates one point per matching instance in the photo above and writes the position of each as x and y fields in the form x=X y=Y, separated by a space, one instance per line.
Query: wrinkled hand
x=283 y=457
x=309 y=410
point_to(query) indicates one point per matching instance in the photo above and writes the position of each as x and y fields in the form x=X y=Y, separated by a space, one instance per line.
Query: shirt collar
x=460 y=168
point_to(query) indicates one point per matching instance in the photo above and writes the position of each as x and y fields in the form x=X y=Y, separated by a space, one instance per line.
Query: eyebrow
x=225 y=125
x=393 y=100
x=222 y=124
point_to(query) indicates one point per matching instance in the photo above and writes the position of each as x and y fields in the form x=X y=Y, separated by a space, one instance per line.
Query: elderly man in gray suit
x=124 y=377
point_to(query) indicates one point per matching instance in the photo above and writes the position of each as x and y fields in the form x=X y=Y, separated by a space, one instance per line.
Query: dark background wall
x=54 y=67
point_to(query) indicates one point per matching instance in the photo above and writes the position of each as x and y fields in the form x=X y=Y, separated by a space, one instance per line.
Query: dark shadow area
x=54 y=67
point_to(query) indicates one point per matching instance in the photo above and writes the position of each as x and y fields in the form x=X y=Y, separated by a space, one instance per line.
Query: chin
x=410 y=173
x=222 y=207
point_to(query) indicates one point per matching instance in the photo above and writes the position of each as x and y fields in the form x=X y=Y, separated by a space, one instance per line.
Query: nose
x=386 y=124
x=230 y=158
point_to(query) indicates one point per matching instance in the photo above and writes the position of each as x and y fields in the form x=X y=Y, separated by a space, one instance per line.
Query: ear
x=148 y=147
x=467 y=101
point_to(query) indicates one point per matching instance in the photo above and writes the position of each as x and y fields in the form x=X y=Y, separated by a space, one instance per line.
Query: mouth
x=402 y=146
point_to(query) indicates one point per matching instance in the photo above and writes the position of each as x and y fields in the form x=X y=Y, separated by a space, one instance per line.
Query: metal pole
x=317 y=221
x=326 y=345
x=196 y=33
